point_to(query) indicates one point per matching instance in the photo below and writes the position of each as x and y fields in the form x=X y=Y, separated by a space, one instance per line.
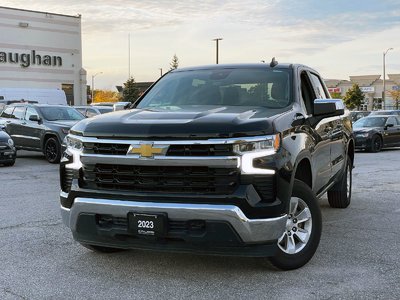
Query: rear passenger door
x=16 y=125
x=392 y=133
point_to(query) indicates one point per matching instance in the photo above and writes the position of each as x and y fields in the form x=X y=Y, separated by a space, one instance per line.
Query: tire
x=339 y=196
x=300 y=239
x=52 y=150
x=10 y=164
x=376 y=143
x=101 y=249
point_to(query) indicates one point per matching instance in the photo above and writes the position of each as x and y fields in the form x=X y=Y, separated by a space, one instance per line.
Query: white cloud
x=338 y=38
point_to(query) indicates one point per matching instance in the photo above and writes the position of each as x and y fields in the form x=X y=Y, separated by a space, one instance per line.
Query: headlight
x=10 y=142
x=272 y=142
x=73 y=143
x=257 y=149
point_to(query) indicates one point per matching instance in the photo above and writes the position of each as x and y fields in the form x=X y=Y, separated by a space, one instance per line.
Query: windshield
x=370 y=122
x=55 y=113
x=222 y=87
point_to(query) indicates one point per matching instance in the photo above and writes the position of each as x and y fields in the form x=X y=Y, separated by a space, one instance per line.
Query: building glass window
x=69 y=93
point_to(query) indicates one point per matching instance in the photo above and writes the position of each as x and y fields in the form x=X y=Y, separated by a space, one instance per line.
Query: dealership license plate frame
x=159 y=221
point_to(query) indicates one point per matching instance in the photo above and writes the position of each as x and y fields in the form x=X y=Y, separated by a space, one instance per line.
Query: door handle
x=23 y=123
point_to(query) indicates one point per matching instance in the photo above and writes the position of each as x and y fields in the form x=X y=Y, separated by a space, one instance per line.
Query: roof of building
x=41 y=12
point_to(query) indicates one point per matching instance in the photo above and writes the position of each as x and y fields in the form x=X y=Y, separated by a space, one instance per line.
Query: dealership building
x=42 y=50
x=371 y=86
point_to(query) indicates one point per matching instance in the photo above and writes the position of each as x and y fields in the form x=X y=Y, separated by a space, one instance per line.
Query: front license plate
x=147 y=224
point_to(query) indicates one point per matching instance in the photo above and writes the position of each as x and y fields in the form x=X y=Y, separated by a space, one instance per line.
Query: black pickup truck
x=223 y=159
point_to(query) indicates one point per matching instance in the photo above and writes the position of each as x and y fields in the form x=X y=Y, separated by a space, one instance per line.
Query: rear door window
x=8 y=112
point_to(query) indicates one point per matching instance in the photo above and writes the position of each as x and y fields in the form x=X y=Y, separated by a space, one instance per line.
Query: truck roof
x=244 y=66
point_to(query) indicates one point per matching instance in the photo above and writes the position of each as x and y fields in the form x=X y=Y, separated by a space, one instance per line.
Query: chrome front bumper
x=249 y=230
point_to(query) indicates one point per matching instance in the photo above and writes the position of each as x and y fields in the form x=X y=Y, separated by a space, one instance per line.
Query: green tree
x=174 y=63
x=336 y=95
x=130 y=92
x=354 y=97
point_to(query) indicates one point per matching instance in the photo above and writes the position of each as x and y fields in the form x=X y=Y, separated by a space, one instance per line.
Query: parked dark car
x=90 y=111
x=386 y=112
x=8 y=152
x=39 y=127
x=357 y=115
x=375 y=132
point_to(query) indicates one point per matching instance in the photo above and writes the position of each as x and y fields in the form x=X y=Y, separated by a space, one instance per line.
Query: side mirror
x=35 y=118
x=328 y=107
x=389 y=125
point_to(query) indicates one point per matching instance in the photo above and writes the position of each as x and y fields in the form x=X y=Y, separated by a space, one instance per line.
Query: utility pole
x=384 y=77
x=129 y=55
x=217 y=50
x=93 y=76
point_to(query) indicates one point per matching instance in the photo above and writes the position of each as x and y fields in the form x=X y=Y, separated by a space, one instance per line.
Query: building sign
x=335 y=90
x=396 y=88
x=27 y=59
x=367 y=89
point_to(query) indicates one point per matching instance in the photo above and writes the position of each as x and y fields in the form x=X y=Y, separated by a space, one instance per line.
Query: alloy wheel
x=298 y=227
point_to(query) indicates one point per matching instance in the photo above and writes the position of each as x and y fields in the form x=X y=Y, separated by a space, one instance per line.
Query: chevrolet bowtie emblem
x=148 y=150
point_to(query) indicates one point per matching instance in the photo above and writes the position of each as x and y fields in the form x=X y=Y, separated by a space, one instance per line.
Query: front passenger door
x=32 y=130
x=392 y=133
x=320 y=153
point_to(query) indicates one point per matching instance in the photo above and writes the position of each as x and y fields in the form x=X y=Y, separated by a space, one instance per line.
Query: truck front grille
x=174 y=179
x=105 y=149
x=201 y=150
x=173 y=150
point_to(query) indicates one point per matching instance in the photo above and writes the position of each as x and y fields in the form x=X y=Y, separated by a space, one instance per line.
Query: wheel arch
x=48 y=135
x=351 y=151
x=303 y=171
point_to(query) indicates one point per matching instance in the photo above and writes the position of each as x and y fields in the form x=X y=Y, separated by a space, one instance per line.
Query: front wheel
x=300 y=239
x=376 y=143
x=52 y=150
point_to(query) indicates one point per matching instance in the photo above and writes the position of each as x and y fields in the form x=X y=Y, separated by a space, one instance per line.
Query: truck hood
x=177 y=122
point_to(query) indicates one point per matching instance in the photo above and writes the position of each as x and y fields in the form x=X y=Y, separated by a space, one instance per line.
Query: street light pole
x=384 y=76
x=160 y=72
x=217 y=50
x=93 y=76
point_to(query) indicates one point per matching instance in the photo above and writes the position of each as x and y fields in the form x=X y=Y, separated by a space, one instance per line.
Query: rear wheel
x=339 y=196
x=52 y=150
x=300 y=239
x=376 y=143
x=101 y=249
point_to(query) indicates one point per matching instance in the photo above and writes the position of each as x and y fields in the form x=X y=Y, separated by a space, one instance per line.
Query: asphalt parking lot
x=358 y=256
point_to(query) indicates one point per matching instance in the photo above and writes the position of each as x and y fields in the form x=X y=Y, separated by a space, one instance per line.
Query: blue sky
x=338 y=38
